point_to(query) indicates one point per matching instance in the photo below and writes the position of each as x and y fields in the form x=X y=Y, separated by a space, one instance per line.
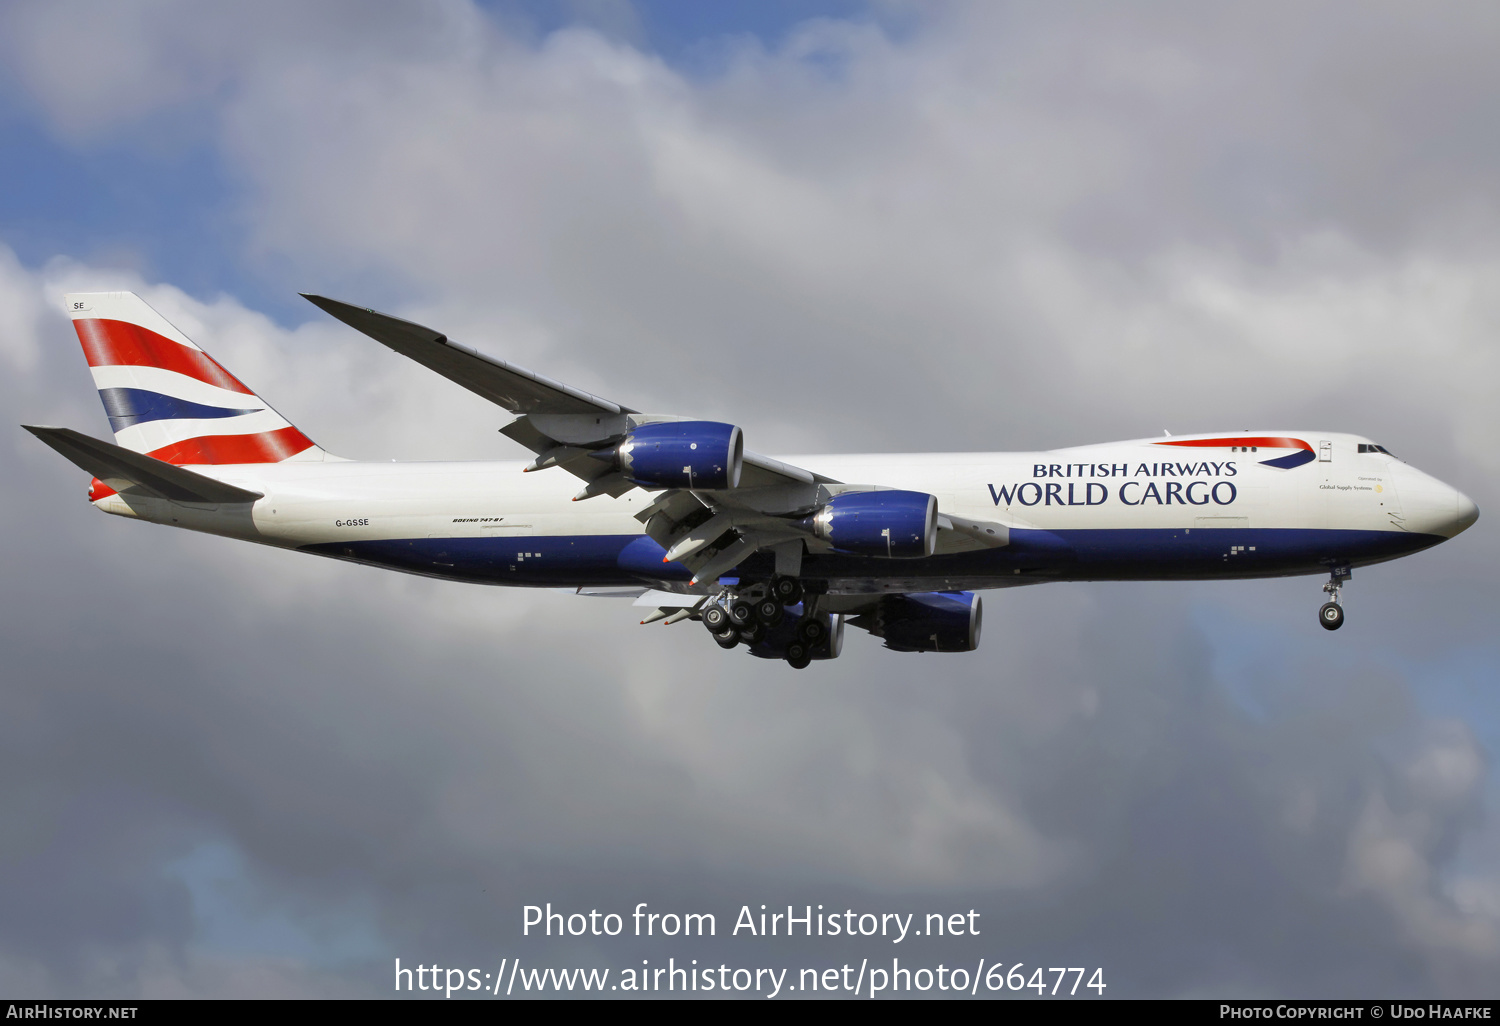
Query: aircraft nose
x=1431 y=506
x=1465 y=513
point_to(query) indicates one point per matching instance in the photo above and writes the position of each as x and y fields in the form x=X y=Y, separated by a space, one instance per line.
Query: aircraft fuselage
x=1152 y=509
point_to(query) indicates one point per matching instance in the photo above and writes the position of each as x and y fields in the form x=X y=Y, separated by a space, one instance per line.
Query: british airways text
x=1199 y=489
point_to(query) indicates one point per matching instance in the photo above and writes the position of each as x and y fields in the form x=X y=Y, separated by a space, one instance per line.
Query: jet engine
x=697 y=454
x=934 y=621
x=891 y=523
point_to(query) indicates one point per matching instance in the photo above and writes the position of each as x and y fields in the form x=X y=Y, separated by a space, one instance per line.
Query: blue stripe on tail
x=127 y=406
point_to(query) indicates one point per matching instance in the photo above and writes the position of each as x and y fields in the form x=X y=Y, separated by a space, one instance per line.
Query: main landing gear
x=1331 y=613
x=810 y=632
x=748 y=615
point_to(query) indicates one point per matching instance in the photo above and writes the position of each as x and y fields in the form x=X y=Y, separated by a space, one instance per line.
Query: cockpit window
x=1366 y=447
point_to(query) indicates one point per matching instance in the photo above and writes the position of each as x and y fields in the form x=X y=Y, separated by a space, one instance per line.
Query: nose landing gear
x=1331 y=613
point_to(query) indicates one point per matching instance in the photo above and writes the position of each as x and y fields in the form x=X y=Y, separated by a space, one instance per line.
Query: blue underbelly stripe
x=1140 y=553
x=585 y=560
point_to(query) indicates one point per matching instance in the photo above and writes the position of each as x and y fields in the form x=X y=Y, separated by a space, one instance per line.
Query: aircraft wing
x=518 y=390
x=553 y=417
x=709 y=530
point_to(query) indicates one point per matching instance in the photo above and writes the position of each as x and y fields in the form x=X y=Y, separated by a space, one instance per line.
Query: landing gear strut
x=1331 y=613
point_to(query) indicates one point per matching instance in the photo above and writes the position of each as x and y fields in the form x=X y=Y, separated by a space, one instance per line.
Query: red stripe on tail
x=263 y=447
x=109 y=343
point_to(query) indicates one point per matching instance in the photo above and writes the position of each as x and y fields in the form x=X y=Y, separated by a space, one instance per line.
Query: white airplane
x=777 y=554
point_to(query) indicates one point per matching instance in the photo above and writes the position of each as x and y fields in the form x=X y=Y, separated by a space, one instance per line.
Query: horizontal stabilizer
x=120 y=468
x=515 y=388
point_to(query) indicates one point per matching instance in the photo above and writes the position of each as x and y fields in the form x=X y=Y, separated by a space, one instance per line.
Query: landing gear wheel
x=753 y=634
x=727 y=638
x=811 y=631
x=741 y=612
x=1331 y=616
x=798 y=656
x=715 y=618
x=768 y=611
x=786 y=590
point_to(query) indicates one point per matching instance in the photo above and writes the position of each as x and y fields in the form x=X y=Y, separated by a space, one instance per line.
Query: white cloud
x=1005 y=230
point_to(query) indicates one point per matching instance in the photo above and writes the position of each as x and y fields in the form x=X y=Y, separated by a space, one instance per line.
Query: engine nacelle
x=895 y=524
x=934 y=621
x=700 y=454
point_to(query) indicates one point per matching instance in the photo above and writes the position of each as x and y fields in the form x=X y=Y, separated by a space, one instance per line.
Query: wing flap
x=761 y=470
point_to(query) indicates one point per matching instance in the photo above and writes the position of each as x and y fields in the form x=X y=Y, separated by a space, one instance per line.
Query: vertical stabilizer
x=169 y=399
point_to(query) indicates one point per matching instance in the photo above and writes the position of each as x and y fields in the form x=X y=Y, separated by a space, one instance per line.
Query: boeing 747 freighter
x=776 y=554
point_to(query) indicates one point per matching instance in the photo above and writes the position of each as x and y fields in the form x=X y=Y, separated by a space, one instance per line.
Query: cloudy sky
x=847 y=227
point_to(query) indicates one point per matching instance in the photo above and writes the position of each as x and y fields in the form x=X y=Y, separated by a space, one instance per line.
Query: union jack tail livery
x=168 y=399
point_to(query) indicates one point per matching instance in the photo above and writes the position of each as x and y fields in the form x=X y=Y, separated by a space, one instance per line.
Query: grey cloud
x=622 y=215
x=102 y=72
x=1008 y=229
